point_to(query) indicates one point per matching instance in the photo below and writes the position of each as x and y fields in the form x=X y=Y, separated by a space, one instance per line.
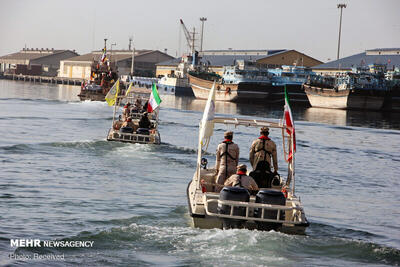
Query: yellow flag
x=112 y=94
x=129 y=89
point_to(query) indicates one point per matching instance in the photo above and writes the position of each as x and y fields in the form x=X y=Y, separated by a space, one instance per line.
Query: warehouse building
x=388 y=56
x=144 y=63
x=35 y=61
x=216 y=59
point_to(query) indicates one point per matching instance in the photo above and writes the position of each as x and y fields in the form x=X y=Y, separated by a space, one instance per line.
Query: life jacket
x=226 y=154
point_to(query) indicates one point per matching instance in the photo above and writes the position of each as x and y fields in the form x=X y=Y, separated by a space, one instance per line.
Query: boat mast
x=133 y=55
x=341 y=6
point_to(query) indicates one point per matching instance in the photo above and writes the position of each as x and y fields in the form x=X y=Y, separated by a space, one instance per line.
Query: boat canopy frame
x=287 y=144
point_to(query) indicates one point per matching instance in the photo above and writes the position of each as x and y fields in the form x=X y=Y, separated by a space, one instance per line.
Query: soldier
x=127 y=111
x=144 y=121
x=227 y=159
x=128 y=123
x=262 y=150
x=240 y=179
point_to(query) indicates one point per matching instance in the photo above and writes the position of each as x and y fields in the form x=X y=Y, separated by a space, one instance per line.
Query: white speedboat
x=275 y=208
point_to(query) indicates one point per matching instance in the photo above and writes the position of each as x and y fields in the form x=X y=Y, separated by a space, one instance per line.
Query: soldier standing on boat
x=227 y=159
x=262 y=149
x=240 y=179
x=126 y=112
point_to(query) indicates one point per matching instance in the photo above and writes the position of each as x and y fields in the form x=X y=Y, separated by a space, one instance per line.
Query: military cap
x=241 y=167
x=264 y=130
x=228 y=133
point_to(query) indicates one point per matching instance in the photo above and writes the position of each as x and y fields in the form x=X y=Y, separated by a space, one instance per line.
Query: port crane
x=190 y=39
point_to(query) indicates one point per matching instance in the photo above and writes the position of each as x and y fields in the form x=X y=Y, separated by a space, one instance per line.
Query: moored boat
x=275 y=208
x=175 y=84
x=349 y=91
x=245 y=82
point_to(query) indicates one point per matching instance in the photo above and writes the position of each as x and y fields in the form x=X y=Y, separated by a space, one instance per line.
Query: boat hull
x=392 y=100
x=366 y=99
x=91 y=96
x=115 y=135
x=247 y=92
x=200 y=219
x=178 y=86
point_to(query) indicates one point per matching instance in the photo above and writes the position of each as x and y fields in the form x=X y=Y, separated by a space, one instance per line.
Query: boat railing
x=295 y=219
x=247 y=122
x=133 y=137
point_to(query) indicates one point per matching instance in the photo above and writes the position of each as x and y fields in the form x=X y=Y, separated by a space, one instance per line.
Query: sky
x=308 y=26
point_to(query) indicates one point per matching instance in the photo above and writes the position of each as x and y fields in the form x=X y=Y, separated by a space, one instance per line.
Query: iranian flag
x=154 y=100
x=290 y=125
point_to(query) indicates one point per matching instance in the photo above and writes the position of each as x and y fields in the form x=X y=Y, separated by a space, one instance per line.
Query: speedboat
x=134 y=134
x=276 y=208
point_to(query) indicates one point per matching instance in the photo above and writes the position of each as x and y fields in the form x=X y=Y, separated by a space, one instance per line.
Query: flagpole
x=115 y=106
x=292 y=163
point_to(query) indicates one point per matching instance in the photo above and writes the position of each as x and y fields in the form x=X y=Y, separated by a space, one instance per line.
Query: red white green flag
x=154 y=100
x=289 y=125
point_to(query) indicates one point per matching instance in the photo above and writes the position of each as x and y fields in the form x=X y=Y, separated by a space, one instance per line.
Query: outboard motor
x=126 y=130
x=262 y=175
x=144 y=131
x=235 y=194
x=272 y=197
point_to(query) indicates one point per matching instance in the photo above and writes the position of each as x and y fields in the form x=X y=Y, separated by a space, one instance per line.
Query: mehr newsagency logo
x=37 y=243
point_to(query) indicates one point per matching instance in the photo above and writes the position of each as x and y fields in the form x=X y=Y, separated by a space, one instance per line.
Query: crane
x=189 y=39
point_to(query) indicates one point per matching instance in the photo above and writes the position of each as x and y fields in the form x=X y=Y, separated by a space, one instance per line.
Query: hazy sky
x=309 y=26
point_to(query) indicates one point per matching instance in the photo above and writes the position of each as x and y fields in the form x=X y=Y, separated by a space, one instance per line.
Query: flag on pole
x=207 y=123
x=129 y=89
x=290 y=125
x=104 y=55
x=112 y=94
x=154 y=100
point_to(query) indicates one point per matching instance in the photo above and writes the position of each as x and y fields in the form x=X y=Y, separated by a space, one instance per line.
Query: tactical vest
x=226 y=154
x=265 y=151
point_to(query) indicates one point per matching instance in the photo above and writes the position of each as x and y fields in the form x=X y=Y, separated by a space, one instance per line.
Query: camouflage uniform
x=263 y=149
x=226 y=161
x=242 y=180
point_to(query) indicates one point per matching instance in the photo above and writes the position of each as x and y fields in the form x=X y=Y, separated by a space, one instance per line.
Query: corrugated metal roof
x=117 y=55
x=384 y=49
x=361 y=59
x=243 y=52
x=222 y=60
x=29 y=55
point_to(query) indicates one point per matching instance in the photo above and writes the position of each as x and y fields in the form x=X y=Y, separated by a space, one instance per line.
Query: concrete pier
x=43 y=79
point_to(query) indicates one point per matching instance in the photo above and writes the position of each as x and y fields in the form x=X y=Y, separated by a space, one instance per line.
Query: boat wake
x=171 y=236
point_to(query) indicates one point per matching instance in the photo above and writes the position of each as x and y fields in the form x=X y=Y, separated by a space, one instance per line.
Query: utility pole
x=341 y=6
x=133 y=60
x=130 y=43
x=202 y=19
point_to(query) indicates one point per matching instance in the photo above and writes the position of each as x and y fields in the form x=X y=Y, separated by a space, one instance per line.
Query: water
x=60 y=180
